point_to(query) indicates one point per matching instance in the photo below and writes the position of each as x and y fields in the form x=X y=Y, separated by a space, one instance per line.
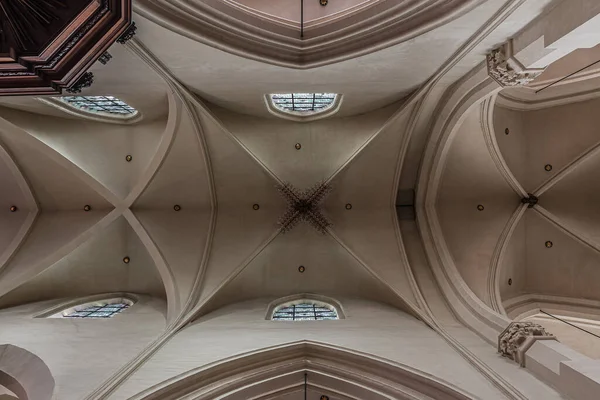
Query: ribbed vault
x=189 y=219
x=517 y=202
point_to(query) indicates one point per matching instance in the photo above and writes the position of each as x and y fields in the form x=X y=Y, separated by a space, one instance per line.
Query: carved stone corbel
x=518 y=337
x=505 y=69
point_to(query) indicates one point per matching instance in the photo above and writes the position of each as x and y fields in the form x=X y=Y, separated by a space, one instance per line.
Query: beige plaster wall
x=369 y=327
x=82 y=353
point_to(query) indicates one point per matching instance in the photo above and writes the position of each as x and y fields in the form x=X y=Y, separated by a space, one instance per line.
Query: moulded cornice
x=532 y=101
x=233 y=29
x=530 y=304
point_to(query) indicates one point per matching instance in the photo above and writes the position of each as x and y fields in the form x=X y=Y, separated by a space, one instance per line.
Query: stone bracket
x=505 y=69
x=518 y=337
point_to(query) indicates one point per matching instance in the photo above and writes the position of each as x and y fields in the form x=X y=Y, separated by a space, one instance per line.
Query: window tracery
x=102 y=310
x=91 y=307
x=100 y=104
x=305 y=310
x=303 y=103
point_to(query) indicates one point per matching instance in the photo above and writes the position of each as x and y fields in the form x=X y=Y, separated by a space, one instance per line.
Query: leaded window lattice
x=304 y=312
x=303 y=103
x=99 y=311
x=100 y=104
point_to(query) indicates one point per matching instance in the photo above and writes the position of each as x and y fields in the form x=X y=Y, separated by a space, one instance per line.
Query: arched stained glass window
x=100 y=104
x=305 y=310
x=303 y=103
x=97 y=310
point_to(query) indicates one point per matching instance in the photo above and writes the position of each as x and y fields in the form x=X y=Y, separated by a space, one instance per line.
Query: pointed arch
x=280 y=369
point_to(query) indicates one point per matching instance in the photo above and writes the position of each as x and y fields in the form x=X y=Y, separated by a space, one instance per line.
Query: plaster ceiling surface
x=182 y=209
x=214 y=165
x=368 y=82
x=552 y=153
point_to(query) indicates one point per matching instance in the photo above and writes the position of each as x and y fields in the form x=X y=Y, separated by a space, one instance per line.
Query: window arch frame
x=317 y=299
x=303 y=117
x=68 y=108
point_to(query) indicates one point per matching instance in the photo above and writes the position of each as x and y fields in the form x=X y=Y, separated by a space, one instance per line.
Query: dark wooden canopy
x=47 y=45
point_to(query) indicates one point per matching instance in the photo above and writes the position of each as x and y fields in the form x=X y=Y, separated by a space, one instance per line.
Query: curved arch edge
x=474 y=313
x=248 y=370
x=25 y=374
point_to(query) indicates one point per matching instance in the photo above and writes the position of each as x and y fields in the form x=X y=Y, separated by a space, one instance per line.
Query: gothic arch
x=331 y=370
x=25 y=374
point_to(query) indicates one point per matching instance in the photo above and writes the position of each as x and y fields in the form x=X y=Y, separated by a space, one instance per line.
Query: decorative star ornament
x=304 y=205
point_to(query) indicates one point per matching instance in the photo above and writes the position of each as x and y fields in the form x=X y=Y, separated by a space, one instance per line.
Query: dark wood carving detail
x=85 y=81
x=46 y=45
x=128 y=35
x=105 y=58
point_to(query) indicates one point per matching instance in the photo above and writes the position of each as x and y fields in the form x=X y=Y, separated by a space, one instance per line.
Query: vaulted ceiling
x=208 y=144
x=516 y=146
x=215 y=164
x=191 y=219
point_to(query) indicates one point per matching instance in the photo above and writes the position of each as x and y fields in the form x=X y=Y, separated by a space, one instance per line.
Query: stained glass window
x=303 y=103
x=98 y=311
x=305 y=312
x=100 y=104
